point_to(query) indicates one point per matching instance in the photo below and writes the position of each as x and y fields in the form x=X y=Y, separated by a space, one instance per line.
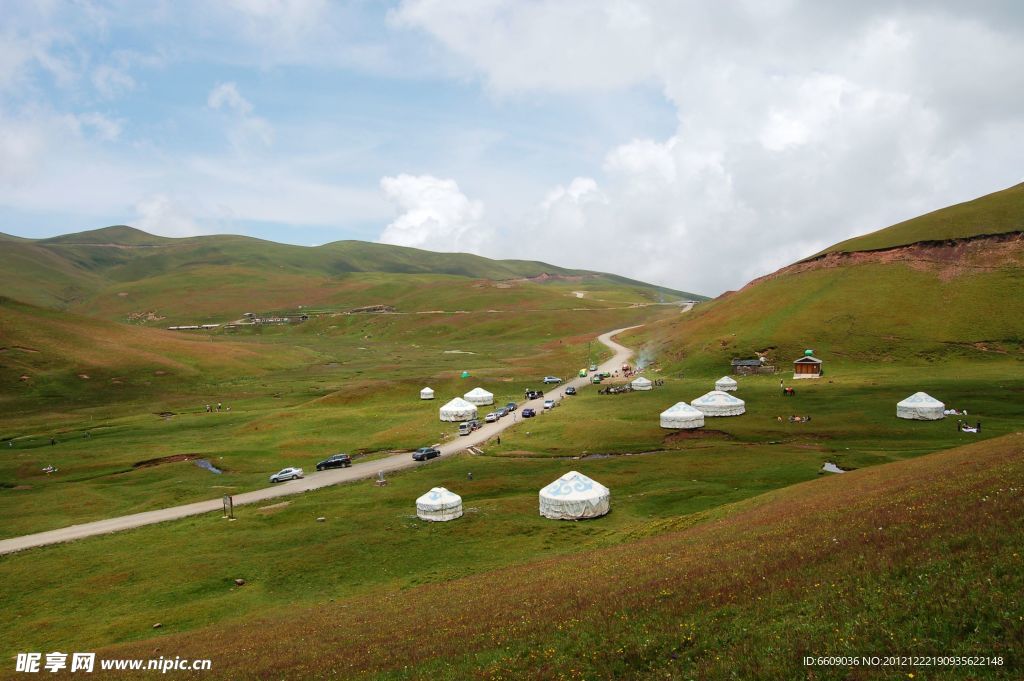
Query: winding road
x=312 y=481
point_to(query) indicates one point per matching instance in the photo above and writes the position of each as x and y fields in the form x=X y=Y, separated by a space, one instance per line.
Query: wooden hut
x=807 y=366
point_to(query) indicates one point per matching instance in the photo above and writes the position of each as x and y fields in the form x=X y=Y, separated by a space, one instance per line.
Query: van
x=465 y=428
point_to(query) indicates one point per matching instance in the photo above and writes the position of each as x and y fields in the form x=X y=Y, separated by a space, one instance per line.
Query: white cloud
x=227 y=96
x=799 y=124
x=159 y=214
x=434 y=214
x=245 y=130
x=111 y=81
x=102 y=127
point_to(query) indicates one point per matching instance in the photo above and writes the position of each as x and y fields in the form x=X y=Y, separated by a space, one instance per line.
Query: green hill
x=70 y=271
x=996 y=213
x=926 y=301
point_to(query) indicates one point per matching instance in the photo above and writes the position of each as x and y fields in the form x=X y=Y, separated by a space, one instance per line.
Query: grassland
x=114 y=396
x=921 y=557
x=370 y=546
x=995 y=213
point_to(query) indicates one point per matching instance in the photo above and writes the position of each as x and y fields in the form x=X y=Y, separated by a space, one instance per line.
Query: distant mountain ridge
x=61 y=270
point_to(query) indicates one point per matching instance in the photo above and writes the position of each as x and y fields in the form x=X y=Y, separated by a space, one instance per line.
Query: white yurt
x=682 y=415
x=726 y=383
x=641 y=383
x=439 y=505
x=920 y=406
x=427 y=394
x=458 y=410
x=574 y=496
x=479 y=397
x=719 y=403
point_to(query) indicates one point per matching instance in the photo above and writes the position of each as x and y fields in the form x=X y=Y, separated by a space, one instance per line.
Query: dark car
x=424 y=453
x=533 y=394
x=511 y=406
x=570 y=390
x=474 y=424
x=502 y=412
x=336 y=461
x=528 y=412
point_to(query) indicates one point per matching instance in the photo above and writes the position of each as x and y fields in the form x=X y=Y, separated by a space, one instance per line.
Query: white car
x=549 y=404
x=552 y=379
x=287 y=474
x=492 y=417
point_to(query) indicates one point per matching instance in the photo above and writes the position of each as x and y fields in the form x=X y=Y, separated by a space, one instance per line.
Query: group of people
x=964 y=427
x=210 y=409
x=954 y=412
x=795 y=419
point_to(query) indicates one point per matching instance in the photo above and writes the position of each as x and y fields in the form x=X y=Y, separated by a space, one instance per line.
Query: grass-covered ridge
x=70 y=270
x=932 y=301
x=995 y=213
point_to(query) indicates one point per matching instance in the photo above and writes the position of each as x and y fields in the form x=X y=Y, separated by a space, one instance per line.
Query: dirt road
x=314 y=480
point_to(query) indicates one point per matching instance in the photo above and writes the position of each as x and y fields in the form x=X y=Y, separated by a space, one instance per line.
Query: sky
x=694 y=145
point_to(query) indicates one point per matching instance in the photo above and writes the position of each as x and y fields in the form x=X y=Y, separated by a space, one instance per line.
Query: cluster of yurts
x=573 y=496
x=461 y=408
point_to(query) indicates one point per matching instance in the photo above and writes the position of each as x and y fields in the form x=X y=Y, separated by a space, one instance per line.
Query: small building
x=807 y=366
x=749 y=367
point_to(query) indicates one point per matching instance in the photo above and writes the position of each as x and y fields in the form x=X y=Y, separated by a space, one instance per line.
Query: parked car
x=549 y=404
x=511 y=406
x=502 y=413
x=285 y=474
x=533 y=394
x=425 y=453
x=570 y=390
x=605 y=374
x=593 y=367
x=465 y=428
x=336 y=461
x=492 y=417
x=474 y=424
x=596 y=378
x=552 y=379
x=529 y=412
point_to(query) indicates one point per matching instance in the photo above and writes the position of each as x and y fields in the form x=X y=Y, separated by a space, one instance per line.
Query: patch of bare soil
x=174 y=458
x=274 y=507
x=696 y=434
x=951 y=259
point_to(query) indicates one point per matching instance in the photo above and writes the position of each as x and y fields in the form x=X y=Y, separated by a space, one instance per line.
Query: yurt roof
x=427 y=389
x=726 y=379
x=459 y=403
x=641 y=380
x=716 y=397
x=682 y=409
x=920 y=400
x=479 y=392
x=439 y=495
x=574 y=486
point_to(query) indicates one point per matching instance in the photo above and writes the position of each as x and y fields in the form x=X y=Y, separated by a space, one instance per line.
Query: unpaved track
x=314 y=480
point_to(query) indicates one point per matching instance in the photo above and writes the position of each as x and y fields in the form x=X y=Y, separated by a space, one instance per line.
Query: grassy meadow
x=114 y=396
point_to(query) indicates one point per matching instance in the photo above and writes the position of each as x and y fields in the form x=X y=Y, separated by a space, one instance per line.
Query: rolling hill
x=997 y=213
x=947 y=284
x=71 y=271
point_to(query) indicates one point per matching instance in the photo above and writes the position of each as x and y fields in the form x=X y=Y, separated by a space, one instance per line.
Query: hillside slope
x=996 y=213
x=922 y=302
x=907 y=558
x=67 y=271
